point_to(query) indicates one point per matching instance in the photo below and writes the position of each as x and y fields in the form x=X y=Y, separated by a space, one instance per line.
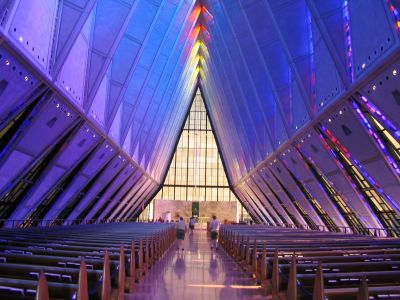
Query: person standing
x=214 y=228
x=192 y=221
x=180 y=232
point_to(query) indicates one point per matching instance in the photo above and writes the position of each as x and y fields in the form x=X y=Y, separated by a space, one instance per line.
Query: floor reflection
x=196 y=273
x=213 y=269
x=179 y=266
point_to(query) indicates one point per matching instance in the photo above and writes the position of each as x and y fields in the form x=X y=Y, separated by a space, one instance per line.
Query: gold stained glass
x=196 y=172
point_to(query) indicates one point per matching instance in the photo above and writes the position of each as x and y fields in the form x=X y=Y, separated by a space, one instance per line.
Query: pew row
x=102 y=261
x=301 y=264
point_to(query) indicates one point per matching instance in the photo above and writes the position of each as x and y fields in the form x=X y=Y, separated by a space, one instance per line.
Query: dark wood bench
x=95 y=258
x=344 y=261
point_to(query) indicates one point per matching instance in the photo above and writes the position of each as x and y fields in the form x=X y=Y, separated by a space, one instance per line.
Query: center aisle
x=196 y=273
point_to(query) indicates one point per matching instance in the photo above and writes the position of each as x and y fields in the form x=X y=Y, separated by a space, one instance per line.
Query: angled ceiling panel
x=148 y=63
x=72 y=16
x=369 y=42
x=111 y=191
x=71 y=13
x=331 y=13
x=110 y=16
x=27 y=18
x=97 y=110
x=293 y=23
x=328 y=83
x=15 y=90
x=110 y=23
x=116 y=125
x=73 y=72
x=271 y=72
x=80 y=143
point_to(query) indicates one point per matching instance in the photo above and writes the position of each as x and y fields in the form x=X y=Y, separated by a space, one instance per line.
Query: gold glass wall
x=196 y=172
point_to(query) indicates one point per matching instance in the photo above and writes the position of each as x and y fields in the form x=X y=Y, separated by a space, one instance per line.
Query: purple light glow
x=372 y=109
x=347 y=31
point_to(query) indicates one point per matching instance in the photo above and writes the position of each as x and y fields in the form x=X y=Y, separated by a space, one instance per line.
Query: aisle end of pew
x=42 y=292
x=132 y=268
x=318 y=291
x=254 y=260
x=106 y=286
x=263 y=265
x=140 y=267
x=275 y=274
x=247 y=256
x=147 y=257
x=292 y=284
x=363 y=290
x=83 y=288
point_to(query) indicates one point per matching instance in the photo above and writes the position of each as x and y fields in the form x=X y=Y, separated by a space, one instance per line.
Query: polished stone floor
x=196 y=273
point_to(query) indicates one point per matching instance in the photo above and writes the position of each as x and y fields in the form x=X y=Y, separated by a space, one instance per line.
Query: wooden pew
x=341 y=261
x=84 y=261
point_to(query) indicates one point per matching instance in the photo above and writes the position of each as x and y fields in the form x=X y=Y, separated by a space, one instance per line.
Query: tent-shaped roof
x=275 y=74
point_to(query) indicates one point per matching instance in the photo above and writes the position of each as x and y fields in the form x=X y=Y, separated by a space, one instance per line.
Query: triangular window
x=196 y=172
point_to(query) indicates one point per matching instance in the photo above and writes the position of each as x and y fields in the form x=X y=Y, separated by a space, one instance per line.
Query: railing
x=4 y=223
x=378 y=232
